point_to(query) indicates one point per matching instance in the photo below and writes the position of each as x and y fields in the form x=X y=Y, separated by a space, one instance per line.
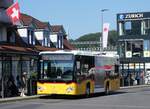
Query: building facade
x=19 y=49
x=57 y=35
x=134 y=46
x=20 y=46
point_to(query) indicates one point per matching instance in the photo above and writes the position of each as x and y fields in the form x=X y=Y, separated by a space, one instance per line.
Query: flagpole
x=101 y=39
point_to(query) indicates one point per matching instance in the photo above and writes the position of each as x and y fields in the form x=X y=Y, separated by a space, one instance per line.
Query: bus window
x=78 y=65
x=116 y=68
x=84 y=69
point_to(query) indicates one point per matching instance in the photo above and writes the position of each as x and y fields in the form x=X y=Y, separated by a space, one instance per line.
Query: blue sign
x=121 y=17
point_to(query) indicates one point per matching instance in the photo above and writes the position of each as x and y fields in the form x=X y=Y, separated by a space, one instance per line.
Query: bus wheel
x=107 y=89
x=87 y=90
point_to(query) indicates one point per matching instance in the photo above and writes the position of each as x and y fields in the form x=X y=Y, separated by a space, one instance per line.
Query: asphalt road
x=135 y=98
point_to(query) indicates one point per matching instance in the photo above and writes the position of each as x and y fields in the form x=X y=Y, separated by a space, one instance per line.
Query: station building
x=20 y=46
x=134 y=46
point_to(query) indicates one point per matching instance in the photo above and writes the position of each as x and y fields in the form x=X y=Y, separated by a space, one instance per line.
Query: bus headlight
x=39 y=88
x=69 y=89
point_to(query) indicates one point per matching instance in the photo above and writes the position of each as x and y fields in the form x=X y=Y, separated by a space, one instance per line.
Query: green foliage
x=90 y=37
x=112 y=37
x=71 y=40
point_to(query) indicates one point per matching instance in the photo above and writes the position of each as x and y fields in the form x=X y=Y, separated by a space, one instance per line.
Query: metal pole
x=101 y=44
x=2 y=79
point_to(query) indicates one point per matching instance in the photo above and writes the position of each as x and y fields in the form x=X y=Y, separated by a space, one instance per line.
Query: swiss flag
x=14 y=13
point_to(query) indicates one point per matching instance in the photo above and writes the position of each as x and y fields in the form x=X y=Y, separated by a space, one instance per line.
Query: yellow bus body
x=114 y=84
x=72 y=88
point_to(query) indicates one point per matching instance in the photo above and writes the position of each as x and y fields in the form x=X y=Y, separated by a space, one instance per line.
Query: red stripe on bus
x=105 y=67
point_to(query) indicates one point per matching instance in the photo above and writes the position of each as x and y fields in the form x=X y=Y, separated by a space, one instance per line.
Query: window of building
x=147 y=27
x=137 y=48
x=10 y=36
x=3 y=34
x=31 y=38
x=136 y=27
x=46 y=40
x=121 y=49
x=146 y=45
x=43 y=42
x=129 y=45
x=130 y=27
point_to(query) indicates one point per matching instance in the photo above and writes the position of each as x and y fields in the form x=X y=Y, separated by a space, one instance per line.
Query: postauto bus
x=77 y=72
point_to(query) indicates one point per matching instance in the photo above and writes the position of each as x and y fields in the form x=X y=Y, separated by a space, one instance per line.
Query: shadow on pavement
x=79 y=96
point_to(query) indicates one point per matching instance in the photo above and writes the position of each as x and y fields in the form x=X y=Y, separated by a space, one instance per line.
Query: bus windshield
x=57 y=70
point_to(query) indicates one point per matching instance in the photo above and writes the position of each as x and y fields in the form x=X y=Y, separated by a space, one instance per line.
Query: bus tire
x=87 y=93
x=107 y=89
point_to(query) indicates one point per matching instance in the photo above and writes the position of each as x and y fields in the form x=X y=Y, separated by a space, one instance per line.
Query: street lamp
x=101 y=39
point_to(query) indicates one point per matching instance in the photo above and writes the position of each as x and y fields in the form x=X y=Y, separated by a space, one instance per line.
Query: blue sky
x=81 y=17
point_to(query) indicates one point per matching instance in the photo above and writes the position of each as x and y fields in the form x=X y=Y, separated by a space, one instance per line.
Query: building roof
x=67 y=45
x=41 y=48
x=17 y=49
x=41 y=25
x=27 y=20
x=21 y=47
x=58 y=28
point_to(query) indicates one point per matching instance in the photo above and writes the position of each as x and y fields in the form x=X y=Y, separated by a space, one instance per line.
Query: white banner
x=105 y=34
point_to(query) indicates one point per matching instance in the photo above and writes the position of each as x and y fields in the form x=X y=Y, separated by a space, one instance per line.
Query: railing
x=91 y=46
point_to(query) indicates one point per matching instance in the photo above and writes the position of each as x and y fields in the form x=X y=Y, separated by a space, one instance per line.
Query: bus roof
x=83 y=53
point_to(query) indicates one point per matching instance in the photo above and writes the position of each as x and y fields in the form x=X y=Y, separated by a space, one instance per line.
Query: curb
x=137 y=86
x=12 y=99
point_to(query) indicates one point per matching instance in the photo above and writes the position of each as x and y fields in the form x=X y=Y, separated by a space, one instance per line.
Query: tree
x=112 y=37
x=90 y=37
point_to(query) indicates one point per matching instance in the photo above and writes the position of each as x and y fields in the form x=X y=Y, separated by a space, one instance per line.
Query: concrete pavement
x=136 y=86
x=2 y=100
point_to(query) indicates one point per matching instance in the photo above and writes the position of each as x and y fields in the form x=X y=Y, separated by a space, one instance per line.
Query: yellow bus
x=77 y=72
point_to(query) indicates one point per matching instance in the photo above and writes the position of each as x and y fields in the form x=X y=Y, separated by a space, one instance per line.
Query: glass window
x=46 y=38
x=147 y=27
x=133 y=27
x=57 y=67
x=10 y=36
x=128 y=25
x=143 y=30
x=129 y=47
x=146 y=45
x=121 y=49
x=137 y=48
x=59 y=70
x=26 y=66
x=31 y=39
x=136 y=27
